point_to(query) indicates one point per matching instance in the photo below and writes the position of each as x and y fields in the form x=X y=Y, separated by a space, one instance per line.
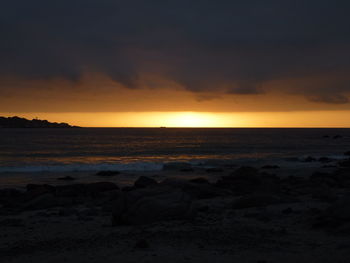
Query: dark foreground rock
x=144 y=181
x=107 y=173
x=247 y=180
x=66 y=178
x=335 y=216
x=46 y=196
x=152 y=206
x=259 y=200
x=345 y=163
x=270 y=167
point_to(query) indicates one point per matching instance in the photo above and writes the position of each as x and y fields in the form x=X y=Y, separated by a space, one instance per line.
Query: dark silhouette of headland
x=17 y=122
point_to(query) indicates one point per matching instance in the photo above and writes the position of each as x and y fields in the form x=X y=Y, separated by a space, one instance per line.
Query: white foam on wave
x=136 y=166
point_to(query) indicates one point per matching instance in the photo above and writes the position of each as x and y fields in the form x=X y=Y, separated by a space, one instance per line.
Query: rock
x=242 y=181
x=342 y=176
x=80 y=190
x=34 y=190
x=144 y=181
x=176 y=166
x=203 y=191
x=329 y=166
x=67 y=211
x=119 y=208
x=324 y=193
x=12 y=222
x=152 y=207
x=133 y=196
x=309 y=159
x=335 y=216
x=66 y=178
x=287 y=211
x=214 y=170
x=270 y=167
x=347 y=153
x=325 y=160
x=94 y=188
x=195 y=190
x=245 y=171
x=88 y=212
x=73 y=190
x=199 y=180
x=345 y=163
x=187 y=170
x=11 y=197
x=142 y=244
x=41 y=202
x=128 y=188
x=258 y=200
x=320 y=178
x=294 y=181
x=107 y=173
x=337 y=136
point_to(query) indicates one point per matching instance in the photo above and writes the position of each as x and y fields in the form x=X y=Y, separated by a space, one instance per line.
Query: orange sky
x=199 y=119
x=96 y=101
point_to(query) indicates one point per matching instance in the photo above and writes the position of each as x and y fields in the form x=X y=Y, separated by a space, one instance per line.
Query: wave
x=136 y=166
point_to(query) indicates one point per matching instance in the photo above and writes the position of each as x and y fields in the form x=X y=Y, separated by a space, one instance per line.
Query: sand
x=278 y=232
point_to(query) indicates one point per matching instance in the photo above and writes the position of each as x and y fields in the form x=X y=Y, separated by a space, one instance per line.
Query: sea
x=35 y=151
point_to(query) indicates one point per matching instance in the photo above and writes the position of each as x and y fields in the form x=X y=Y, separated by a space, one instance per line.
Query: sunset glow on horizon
x=198 y=119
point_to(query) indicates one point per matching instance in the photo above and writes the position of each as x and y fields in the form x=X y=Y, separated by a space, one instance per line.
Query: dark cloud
x=232 y=46
x=331 y=99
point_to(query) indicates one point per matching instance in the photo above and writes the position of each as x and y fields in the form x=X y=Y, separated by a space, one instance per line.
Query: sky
x=177 y=63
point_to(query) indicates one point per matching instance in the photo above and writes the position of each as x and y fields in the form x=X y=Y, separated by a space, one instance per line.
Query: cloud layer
x=234 y=47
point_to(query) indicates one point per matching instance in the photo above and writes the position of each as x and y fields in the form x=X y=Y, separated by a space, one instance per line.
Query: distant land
x=17 y=122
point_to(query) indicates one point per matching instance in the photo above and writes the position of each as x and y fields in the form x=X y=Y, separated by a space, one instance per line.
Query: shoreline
x=246 y=214
x=302 y=166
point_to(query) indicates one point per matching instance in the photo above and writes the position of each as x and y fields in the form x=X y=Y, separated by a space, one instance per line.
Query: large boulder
x=34 y=190
x=175 y=205
x=199 y=180
x=44 y=201
x=324 y=193
x=144 y=181
x=342 y=176
x=72 y=190
x=242 y=181
x=11 y=197
x=147 y=205
x=260 y=200
x=196 y=190
x=320 y=178
x=79 y=190
x=344 y=163
x=335 y=216
x=96 y=188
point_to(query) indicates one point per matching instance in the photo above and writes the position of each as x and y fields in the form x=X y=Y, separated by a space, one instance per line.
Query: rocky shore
x=247 y=215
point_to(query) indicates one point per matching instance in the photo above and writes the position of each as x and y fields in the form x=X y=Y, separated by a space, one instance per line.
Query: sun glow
x=197 y=119
x=191 y=119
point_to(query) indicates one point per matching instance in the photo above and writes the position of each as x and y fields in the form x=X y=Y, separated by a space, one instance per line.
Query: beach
x=226 y=214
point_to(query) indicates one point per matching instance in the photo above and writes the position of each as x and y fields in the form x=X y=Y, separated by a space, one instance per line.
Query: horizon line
x=204 y=127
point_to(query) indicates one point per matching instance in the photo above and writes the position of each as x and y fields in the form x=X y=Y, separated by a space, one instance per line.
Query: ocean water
x=147 y=149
